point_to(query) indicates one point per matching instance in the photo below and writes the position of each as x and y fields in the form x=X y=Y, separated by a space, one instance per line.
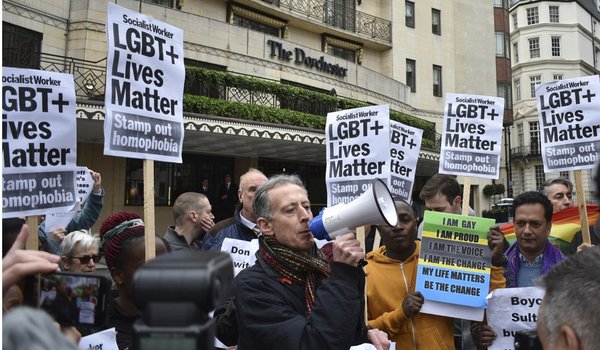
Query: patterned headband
x=125 y=225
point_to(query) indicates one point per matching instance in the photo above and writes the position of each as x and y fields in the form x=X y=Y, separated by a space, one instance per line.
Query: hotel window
x=410 y=14
x=534 y=81
x=500 y=45
x=503 y=90
x=534 y=48
x=342 y=48
x=520 y=135
x=564 y=174
x=540 y=176
x=554 y=14
x=522 y=176
x=555 y=40
x=516 y=52
x=411 y=74
x=534 y=134
x=437 y=81
x=171 y=179
x=21 y=47
x=557 y=77
x=340 y=14
x=251 y=19
x=436 y=22
x=501 y=3
x=515 y=21
x=532 y=16
x=517 y=84
x=166 y=3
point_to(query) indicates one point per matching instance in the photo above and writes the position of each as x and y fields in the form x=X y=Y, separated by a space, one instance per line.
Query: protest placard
x=569 y=123
x=454 y=261
x=84 y=183
x=105 y=340
x=144 y=87
x=405 y=143
x=356 y=151
x=472 y=135
x=510 y=310
x=242 y=253
x=39 y=145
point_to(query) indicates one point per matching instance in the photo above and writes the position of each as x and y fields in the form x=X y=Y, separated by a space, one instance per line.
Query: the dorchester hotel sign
x=300 y=57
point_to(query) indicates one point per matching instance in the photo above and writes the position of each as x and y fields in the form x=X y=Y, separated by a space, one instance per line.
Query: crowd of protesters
x=298 y=295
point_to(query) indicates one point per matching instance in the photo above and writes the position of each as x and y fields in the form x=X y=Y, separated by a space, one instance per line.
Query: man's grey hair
x=80 y=239
x=186 y=202
x=262 y=204
x=572 y=290
x=250 y=170
x=558 y=180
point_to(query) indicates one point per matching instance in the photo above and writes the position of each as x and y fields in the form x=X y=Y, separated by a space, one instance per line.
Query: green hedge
x=230 y=109
x=197 y=77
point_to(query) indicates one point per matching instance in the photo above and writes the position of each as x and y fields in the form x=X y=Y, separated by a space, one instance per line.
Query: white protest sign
x=84 y=183
x=243 y=253
x=405 y=143
x=105 y=340
x=357 y=151
x=510 y=310
x=569 y=123
x=472 y=136
x=55 y=221
x=39 y=142
x=144 y=87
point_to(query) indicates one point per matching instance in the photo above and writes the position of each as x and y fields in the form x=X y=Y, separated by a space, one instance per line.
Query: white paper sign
x=472 y=136
x=405 y=143
x=105 y=340
x=144 y=87
x=243 y=253
x=511 y=310
x=39 y=142
x=357 y=151
x=58 y=220
x=84 y=182
x=569 y=123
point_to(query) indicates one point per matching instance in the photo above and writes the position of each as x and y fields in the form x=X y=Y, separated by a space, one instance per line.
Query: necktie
x=256 y=230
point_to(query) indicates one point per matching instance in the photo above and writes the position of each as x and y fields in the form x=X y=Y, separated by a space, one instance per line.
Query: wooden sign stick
x=150 y=237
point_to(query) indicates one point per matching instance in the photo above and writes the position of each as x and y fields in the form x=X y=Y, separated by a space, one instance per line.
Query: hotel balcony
x=332 y=17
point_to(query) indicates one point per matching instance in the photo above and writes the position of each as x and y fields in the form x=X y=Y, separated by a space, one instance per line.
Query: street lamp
x=89 y=88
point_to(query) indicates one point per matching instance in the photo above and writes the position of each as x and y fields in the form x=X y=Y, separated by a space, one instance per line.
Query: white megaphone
x=374 y=207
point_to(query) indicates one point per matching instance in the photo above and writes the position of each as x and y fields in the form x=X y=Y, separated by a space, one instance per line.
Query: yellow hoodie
x=388 y=283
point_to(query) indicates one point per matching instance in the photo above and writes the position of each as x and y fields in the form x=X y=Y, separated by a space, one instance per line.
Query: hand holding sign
x=411 y=305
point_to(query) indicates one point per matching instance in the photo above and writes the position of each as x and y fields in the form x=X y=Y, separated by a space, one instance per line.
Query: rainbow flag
x=565 y=224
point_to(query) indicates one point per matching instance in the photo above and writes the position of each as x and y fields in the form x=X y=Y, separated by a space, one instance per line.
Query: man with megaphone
x=294 y=297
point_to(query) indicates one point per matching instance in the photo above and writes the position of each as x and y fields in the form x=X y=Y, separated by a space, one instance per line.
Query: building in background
x=504 y=88
x=550 y=41
x=261 y=77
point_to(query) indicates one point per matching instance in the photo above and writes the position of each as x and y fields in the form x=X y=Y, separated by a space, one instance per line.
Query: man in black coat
x=294 y=297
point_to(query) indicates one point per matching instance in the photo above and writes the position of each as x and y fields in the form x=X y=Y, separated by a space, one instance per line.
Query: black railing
x=526 y=151
x=337 y=15
x=89 y=76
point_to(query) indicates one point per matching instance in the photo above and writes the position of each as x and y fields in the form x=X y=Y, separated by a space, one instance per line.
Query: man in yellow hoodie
x=393 y=303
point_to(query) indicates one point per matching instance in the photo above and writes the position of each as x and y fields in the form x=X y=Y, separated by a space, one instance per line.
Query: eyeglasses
x=84 y=260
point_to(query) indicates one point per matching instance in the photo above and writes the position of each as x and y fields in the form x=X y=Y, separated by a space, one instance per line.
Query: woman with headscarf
x=122 y=240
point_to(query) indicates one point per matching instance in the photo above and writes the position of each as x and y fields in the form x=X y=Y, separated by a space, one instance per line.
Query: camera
x=527 y=340
x=72 y=299
x=175 y=293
